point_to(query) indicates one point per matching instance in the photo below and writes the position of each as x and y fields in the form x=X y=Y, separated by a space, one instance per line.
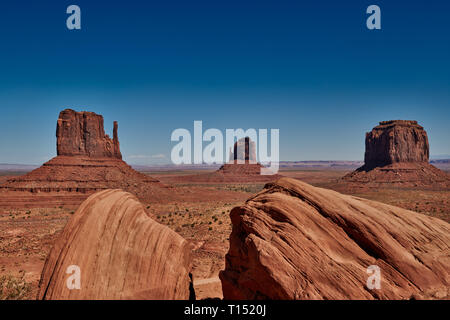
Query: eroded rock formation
x=88 y=161
x=241 y=168
x=396 y=141
x=296 y=241
x=397 y=154
x=121 y=252
x=83 y=134
x=244 y=151
x=243 y=165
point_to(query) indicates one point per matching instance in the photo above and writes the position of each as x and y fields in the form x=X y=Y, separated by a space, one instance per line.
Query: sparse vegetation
x=14 y=288
x=203 y=221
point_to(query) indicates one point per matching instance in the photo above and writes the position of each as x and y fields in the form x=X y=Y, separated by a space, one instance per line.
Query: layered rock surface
x=296 y=241
x=397 y=154
x=78 y=174
x=406 y=175
x=121 y=251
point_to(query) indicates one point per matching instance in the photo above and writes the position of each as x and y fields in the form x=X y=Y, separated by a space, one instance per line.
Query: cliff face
x=83 y=134
x=396 y=141
x=397 y=154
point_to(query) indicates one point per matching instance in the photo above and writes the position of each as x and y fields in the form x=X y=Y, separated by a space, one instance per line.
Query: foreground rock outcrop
x=296 y=241
x=397 y=154
x=122 y=253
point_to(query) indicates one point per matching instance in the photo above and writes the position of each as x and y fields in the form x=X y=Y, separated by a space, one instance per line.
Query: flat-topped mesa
x=396 y=141
x=397 y=155
x=83 y=134
x=244 y=151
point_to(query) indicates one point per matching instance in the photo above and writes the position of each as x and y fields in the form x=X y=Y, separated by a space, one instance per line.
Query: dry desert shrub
x=14 y=288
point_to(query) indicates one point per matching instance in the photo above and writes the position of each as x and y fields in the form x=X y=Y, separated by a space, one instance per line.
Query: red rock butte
x=397 y=154
x=243 y=164
x=82 y=134
x=244 y=151
x=87 y=161
x=396 y=141
x=242 y=167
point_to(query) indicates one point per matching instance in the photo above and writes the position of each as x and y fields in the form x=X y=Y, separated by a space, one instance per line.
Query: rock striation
x=79 y=174
x=296 y=241
x=83 y=134
x=121 y=252
x=397 y=154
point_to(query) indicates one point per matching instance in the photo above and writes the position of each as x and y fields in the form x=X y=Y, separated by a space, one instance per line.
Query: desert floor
x=27 y=234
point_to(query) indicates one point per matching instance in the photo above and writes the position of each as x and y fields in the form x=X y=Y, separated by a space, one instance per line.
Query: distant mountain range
x=440 y=157
x=17 y=167
x=283 y=165
x=441 y=163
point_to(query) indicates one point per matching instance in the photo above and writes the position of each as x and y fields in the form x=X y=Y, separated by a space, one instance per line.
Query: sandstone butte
x=296 y=241
x=397 y=154
x=242 y=167
x=244 y=150
x=87 y=161
x=122 y=253
x=83 y=134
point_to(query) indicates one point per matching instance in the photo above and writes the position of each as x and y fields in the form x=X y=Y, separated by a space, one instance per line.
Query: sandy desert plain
x=28 y=233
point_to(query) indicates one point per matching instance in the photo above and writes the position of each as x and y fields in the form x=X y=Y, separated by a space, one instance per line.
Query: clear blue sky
x=309 y=68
